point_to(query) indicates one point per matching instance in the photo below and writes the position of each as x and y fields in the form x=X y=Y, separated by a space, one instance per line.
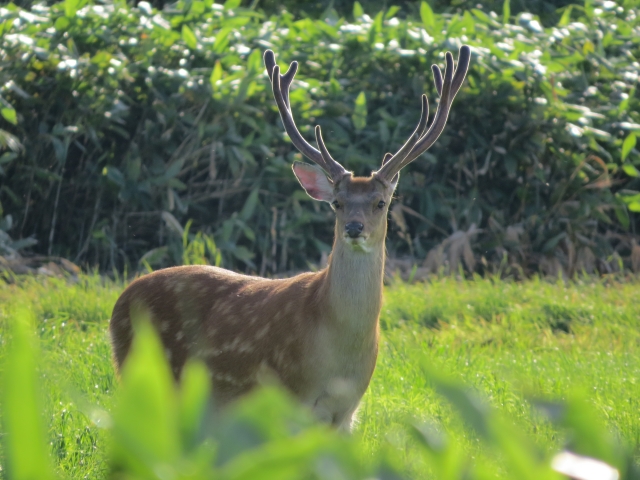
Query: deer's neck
x=354 y=286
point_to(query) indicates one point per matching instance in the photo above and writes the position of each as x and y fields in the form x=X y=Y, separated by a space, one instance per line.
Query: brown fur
x=316 y=332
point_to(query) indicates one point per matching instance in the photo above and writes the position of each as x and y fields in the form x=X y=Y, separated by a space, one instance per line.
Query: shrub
x=124 y=122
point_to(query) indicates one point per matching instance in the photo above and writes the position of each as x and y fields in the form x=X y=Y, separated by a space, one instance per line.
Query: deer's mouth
x=358 y=243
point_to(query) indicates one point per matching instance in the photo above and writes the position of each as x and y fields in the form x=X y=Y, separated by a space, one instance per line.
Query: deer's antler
x=280 y=85
x=419 y=141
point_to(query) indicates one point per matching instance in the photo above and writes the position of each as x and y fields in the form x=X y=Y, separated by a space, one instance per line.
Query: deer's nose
x=354 y=229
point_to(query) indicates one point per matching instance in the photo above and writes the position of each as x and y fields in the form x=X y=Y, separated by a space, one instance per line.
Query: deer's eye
x=336 y=205
x=381 y=204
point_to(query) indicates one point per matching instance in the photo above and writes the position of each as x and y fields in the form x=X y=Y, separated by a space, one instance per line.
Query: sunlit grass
x=510 y=341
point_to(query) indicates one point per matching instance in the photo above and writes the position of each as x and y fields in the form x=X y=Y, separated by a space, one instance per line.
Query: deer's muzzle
x=354 y=229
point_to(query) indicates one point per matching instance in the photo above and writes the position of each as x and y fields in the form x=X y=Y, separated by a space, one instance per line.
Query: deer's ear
x=314 y=181
x=396 y=177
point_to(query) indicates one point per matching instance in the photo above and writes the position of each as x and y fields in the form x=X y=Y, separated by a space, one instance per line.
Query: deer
x=316 y=333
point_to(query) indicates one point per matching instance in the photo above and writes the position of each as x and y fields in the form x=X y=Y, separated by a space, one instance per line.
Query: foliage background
x=121 y=123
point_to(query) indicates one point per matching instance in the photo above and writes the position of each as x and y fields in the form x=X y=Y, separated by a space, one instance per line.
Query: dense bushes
x=121 y=123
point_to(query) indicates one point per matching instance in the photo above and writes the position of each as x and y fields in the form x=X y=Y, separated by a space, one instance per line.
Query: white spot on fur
x=179 y=286
x=211 y=352
x=230 y=346
x=280 y=358
x=226 y=377
x=262 y=332
x=221 y=290
x=245 y=347
x=224 y=309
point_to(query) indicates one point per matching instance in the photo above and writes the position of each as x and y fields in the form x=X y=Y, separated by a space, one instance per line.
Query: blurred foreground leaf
x=24 y=442
x=154 y=430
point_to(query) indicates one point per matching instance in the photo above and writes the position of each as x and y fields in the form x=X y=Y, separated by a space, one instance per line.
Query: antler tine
x=461 y=70
x=415 y=136
x=286 y=79
x=335 y=169
x=464 y=57
x=280 y=85
x=447 y=90
x=270 y=63
x=437 y=78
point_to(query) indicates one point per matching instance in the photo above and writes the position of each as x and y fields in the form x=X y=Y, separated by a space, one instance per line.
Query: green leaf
x=216 y=75
x=483 y=17
x=6 y=26
x=249 y=206
x=71 y=7
x=588 y=47
x=633 y=207
x=391 y=12
x=133 y=168
x=357 y=10
x=61 y=24
x=468 y=22
x=550 y=244
x=6 y=158
x=334 y=86
x=254 y=62
x=221 y=40
x=60 y=148
x=231 y=4
x=146 y=420
x=25 y=447
x=359 y=116
x=154 y=256
x=587 y=433
x=9 y=115
x=426 y=14
x=624 y=104
x=173 y=169
x=472 y=409
x=377 y=23
x=195 y=390
x=628 y=145
x=113 y=174
x=566 y=16
x=243 y=254
x=630 y=170
x=506 y=11
x=197 y=8
x=189 y=37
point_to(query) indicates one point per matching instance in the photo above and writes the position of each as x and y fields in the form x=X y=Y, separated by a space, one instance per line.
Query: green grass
x=511 y=342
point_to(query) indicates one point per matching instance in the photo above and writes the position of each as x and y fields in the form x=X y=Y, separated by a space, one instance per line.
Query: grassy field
x=510 y=342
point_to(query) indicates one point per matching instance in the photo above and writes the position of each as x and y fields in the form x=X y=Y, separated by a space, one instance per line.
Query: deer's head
x=361 y=203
